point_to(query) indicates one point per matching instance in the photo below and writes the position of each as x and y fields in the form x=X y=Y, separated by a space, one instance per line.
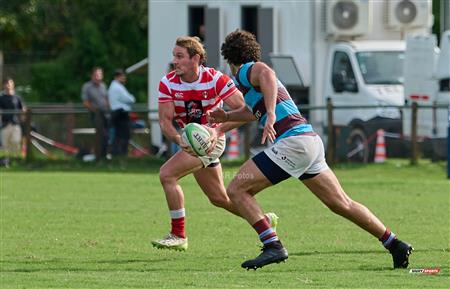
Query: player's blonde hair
x=193 y=45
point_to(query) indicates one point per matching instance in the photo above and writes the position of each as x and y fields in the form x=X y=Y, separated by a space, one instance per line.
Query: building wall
x=169 y=19
x=165 y=18
x=299 y=31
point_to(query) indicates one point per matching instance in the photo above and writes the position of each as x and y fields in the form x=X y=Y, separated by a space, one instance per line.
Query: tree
x=59 y=41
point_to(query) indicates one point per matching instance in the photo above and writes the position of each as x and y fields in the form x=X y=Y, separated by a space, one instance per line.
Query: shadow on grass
x=70 y=265
x=119 y=164
x=359 y=252
x=336 y=253
x=152 y=265
x=62 y=261
x=125 y=165
x=151 y=164
x=75 y=269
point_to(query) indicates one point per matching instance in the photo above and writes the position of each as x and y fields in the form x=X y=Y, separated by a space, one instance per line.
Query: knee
x=219 y=201
x=165 y=177
x=234 y=192
x=341 y=207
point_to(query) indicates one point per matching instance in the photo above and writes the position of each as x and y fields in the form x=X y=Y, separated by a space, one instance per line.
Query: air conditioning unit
x=348 y=17
x=407 y=14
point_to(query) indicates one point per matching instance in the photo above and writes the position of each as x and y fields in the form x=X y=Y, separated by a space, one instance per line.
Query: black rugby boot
x=400 y=252
x=270 y=254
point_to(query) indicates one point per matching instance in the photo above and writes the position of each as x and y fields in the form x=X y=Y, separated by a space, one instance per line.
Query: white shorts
x=213 y=158
x=296 y=156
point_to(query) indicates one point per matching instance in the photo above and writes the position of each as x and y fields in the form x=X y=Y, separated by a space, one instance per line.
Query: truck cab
x=365 y=73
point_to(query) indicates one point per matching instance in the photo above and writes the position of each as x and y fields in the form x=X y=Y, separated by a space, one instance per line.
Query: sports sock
x=388 y=239
x=266 y=234
x=177 y=217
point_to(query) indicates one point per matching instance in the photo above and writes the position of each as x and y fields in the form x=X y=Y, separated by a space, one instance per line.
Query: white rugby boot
x=273 y=220
x=171 y=242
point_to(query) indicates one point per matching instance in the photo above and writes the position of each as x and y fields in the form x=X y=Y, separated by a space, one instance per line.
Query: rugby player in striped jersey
x=186 y=94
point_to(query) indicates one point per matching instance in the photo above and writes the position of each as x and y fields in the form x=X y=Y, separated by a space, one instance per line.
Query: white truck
x=365 y=73
x=351 y=51
x=427 y=82
x=360 y=73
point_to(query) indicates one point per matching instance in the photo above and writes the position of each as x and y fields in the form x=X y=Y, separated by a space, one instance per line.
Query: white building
x=301 y=29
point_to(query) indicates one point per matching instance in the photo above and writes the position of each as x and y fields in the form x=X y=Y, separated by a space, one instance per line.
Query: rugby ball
x=195 y=135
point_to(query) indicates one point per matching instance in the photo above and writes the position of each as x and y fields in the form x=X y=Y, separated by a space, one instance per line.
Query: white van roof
x=378 y=45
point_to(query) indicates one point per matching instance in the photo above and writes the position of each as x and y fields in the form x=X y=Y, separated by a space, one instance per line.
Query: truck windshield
x=381 y=67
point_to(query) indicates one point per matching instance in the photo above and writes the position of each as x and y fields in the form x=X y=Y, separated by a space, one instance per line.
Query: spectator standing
x=11 y=134
x=95 y=98
x=120 y=100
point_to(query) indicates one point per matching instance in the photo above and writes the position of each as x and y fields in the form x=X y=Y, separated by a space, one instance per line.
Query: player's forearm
x=170 y=132
x=227 y=126
x=240 y=115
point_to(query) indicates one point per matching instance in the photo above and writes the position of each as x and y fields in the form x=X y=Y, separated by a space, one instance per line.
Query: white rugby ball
x=195 y=135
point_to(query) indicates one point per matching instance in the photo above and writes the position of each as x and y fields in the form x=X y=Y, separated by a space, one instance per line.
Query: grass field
x=90 y=229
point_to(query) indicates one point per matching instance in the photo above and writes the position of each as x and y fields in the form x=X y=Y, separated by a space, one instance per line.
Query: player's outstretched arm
x=242 y=116
x=236 y=102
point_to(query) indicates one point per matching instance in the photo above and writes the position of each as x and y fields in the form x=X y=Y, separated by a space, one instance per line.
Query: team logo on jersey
x=194 y=111
x=205 y=94
x=178 y=95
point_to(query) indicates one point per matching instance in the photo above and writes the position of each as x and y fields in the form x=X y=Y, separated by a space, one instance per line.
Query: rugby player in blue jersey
x=297 y=151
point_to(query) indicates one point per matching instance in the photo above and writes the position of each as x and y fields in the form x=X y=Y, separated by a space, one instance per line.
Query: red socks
x=178 y=217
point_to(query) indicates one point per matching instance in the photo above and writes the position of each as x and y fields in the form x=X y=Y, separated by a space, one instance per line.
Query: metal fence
x=412 y=146
x=68 y=130
x=54 y=130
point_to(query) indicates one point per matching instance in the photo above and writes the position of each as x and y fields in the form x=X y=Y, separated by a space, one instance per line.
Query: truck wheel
x=358 y=149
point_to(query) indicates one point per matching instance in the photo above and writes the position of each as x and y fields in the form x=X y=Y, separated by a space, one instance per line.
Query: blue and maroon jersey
x=289 y=121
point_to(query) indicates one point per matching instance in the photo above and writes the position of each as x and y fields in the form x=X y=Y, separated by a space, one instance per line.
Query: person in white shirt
x=120 y=101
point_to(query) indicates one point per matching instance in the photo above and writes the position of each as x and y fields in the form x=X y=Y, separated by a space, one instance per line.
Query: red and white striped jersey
x=193 y=100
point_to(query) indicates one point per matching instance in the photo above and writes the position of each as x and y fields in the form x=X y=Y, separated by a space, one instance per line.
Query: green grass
x=88 y=229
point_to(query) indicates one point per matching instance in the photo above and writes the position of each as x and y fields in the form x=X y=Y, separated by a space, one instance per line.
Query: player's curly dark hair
x=240 y=47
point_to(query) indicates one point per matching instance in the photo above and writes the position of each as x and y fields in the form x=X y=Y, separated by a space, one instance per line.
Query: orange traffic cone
x=380 y=147
x=23 y=149
x=233 y=146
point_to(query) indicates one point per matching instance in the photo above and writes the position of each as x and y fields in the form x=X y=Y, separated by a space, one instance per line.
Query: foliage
x=64 y=39
x=51 y=83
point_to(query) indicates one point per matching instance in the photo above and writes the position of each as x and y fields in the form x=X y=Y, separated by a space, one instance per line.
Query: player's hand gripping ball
x=196 y=135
